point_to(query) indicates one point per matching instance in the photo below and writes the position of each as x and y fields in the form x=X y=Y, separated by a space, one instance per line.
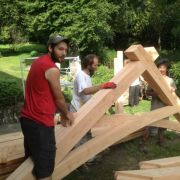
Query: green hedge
x=67 y=92
x=175 y=73
x=103 y=74
x=10 y=93
x=21 y=48
x=107 y=57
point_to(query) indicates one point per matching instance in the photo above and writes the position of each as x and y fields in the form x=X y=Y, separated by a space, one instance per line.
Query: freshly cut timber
x=67 y=159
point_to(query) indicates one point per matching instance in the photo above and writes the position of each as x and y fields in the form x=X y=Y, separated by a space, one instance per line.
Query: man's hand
x=67 y=120
x=108 y=85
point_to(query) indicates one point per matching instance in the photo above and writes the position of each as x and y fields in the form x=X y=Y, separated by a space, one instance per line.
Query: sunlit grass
x=10 y=66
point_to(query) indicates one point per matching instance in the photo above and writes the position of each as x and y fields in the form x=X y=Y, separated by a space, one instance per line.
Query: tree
x=86 y=23
x=10 y=25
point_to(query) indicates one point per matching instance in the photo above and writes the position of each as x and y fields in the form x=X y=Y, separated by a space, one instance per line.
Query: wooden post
x=118 y=65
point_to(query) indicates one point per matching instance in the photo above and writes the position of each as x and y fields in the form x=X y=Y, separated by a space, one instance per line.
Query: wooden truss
x=93 y=113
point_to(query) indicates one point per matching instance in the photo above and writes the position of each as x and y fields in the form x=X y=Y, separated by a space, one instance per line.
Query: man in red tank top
x=43 y=96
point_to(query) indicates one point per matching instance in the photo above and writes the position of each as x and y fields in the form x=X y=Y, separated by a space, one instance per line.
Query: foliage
x=92 y=25
x=21 y=48
x=10 y=93
x=107 y=57
x=176 y=75
x=170 y=135
x=34 y=53
x=103 y=74
x=67 y=92
x=84 y=22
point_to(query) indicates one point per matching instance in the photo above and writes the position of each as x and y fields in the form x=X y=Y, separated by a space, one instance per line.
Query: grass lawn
x=144 y=106
x=10 y=66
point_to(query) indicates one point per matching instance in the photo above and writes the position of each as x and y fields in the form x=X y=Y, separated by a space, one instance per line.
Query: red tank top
x=39 y=103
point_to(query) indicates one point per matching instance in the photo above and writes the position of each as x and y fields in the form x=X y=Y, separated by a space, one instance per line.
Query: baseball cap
x=57 y=39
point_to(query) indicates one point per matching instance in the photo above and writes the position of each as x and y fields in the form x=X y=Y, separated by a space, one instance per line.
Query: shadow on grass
x=7 y=77
x=11 y=91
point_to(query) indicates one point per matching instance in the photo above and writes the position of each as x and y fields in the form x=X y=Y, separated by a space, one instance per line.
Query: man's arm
x=53 y=77
x=94 y=89
x=91 y=90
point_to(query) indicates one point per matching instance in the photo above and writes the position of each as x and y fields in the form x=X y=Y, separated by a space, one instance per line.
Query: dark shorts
x=39 y=144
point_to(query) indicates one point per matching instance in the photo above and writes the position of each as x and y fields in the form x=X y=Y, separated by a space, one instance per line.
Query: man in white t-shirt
x=82 y=81
x=83 y=88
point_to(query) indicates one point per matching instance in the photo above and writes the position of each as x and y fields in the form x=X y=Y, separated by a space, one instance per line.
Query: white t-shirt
x=136 y=82
x=81 y=82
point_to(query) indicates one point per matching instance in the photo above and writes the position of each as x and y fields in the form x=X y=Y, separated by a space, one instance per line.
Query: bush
x=176 y=75
x=67 y=92
x=10 y=93
x=21 y=48
x=34 y=53
x=107 y=57
x=103 y=74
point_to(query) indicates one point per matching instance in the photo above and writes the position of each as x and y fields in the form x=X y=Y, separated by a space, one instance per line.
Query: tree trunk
x=159 y=42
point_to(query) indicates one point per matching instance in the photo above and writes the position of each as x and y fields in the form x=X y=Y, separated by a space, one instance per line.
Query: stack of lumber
x=159 y=169
x=11 y=153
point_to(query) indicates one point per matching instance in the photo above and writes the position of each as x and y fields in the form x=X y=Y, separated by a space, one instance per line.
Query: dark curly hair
x=163 y=61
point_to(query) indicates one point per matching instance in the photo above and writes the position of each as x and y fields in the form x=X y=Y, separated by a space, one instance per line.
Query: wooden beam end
x=152 y=52
x=132 y=51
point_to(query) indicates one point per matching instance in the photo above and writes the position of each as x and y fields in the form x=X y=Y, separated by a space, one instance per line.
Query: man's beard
x=54 y=57
x=91 y=72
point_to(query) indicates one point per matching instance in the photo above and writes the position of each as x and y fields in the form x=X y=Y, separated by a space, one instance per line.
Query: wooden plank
x=9 y=150
x=160 y=163
x=153 y=76
x=118 y=65
x=86 y=151
x=8 y=168
x=10 y=137
x=23 y=171
x=173 y=125
x=152 y=52
x=155 y=174
x=131 y=137
x=97 y=106
x=106 y=123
